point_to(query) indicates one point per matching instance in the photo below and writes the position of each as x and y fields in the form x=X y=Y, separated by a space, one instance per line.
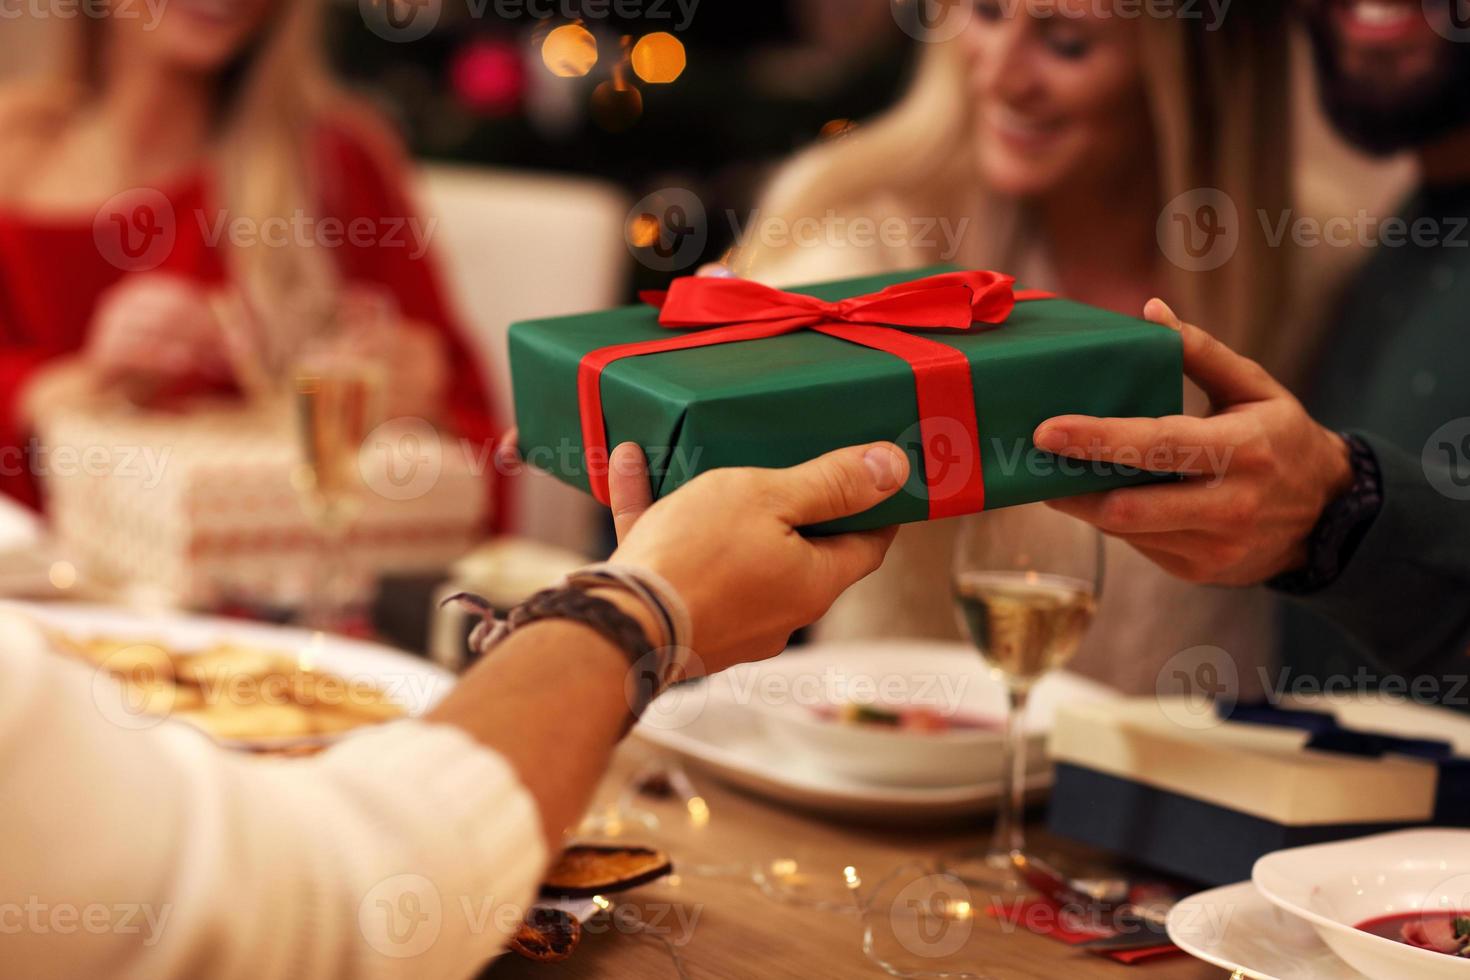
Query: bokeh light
x=837 y=128
x=570 y=51
x=487 y=77
x=659 y=58
x=616 y=107
x=63 y=574
x=643 y=230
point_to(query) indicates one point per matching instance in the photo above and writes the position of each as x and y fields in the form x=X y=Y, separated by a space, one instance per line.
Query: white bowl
x=788 y=692
x=1334 y=887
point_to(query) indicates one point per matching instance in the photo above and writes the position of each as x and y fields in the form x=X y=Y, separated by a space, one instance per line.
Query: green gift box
x=783 y=399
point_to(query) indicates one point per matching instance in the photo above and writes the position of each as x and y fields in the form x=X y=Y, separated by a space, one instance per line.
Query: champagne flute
x=1026 y=584
x=338 y=393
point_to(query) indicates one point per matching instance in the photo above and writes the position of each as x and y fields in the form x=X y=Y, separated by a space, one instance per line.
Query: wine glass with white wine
x=339 y=391
x=1026 y=584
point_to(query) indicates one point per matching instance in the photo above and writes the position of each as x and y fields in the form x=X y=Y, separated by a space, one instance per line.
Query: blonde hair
x=272 y=101
x=1219 y=102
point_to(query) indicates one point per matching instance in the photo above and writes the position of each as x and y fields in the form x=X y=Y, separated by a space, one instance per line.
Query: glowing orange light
x=659 y=58
x=643 y=230
x=570 y=51
x=837 y=128
x=615 y=107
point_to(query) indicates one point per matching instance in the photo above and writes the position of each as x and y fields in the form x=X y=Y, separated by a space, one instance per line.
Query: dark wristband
x=644 y=678
x=1341 y=527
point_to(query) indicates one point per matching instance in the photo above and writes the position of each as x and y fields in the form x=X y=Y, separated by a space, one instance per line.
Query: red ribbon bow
x=732 y=310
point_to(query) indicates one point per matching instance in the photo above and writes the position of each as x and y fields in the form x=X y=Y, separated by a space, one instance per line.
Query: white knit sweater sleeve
x=407 y=851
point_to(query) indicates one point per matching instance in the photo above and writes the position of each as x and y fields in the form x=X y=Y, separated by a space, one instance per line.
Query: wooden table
x=726 y=927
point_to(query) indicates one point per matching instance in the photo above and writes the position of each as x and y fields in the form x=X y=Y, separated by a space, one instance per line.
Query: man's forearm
x=551 y=700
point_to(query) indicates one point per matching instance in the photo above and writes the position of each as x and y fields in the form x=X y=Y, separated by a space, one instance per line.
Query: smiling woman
x=1064 y=138
x=193 y=157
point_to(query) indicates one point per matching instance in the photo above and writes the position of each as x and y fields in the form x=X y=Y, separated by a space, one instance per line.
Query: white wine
x=335 y=410
x=1025 y=623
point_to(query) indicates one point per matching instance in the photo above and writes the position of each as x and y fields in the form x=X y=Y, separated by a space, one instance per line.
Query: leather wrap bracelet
x=654 y=662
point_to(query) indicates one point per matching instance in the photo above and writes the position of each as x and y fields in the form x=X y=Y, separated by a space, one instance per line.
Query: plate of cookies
x=251 y=686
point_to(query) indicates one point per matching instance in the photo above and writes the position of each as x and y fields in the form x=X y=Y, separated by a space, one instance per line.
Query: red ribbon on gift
x=728 y=310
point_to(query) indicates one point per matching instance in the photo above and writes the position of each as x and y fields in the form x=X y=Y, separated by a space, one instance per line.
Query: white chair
x=516 y=246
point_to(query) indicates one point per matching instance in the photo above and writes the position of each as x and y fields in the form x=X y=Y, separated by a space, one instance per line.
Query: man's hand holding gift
x=1257 y=472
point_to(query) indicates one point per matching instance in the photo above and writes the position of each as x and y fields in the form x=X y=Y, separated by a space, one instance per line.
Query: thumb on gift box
x=839 y=484
x=628 y=487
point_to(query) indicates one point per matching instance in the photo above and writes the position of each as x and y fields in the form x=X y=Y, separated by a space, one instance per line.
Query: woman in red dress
x=203 y=153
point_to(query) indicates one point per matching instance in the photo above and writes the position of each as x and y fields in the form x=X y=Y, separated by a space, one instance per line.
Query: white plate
x=1333 y=887
x=411 y=682
x=944 y=677
x=1235 y=928
x=717 y=726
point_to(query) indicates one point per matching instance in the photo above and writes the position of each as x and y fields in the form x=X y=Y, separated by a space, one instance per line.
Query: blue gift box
x=1203 y=794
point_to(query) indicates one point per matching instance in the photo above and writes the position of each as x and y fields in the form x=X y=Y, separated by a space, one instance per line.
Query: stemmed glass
x=1026 y=583
x=338 y=391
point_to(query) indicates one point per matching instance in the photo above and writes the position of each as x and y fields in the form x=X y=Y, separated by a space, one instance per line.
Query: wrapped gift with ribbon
x=957 y=367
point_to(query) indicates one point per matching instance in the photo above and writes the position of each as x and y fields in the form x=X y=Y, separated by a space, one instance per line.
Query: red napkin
x=1039 y=916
